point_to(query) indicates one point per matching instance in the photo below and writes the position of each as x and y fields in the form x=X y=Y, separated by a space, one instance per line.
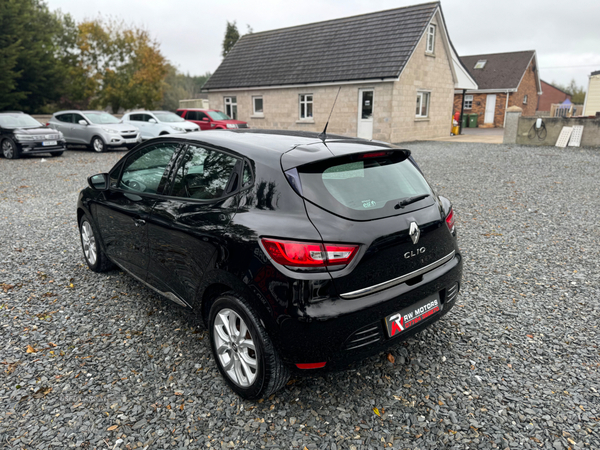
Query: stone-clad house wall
x=394 y=103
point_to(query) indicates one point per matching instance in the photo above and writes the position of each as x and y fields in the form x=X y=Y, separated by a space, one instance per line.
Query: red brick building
x=504 y=80
x=551 y=94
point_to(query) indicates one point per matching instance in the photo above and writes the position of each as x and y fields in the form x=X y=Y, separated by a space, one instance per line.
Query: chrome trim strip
x=399 y=280
x=169 y=295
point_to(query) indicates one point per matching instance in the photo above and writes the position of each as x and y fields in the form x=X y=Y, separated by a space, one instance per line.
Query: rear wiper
x=409 y=200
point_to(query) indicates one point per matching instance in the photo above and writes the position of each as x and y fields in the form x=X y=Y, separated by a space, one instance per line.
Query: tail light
x=450 y=220
x=309 y=254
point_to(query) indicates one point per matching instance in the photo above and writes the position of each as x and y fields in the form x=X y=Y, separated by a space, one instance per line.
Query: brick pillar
x=512 y=124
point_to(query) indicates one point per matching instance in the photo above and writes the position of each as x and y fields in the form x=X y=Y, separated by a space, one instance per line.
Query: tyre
x=9 y=149
x=242 y=349
x=56 y=153
x=94 y=256
x=98 y=144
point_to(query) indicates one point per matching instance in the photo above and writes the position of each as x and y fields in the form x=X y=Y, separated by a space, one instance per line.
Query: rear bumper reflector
x=399 y=280
x=311 y=365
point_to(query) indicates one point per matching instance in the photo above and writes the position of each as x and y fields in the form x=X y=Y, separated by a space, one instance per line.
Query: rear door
x=187 y=226
x=380 y=200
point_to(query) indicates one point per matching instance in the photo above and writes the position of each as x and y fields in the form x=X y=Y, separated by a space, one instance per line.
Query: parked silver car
x=159 y=123
x=98 y=129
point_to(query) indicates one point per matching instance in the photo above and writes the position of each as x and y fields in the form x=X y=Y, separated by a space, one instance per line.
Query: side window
x=204 y=174
x=64 y=118
x=179 y=113
x=145 y=117
x=201 y=116
x=77 y=118
x=146 y=170
x=191 y=115
x=247 y=175
x=134 y=117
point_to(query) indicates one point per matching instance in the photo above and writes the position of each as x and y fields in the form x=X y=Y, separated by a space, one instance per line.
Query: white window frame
x=228 y=101
x=430 y=38
x=468 y=102
x=420 y=96
x=254 y=110
x=303 y=103
x=525 y=99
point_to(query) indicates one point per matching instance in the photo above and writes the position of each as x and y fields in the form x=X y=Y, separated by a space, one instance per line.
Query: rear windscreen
x=364 y=187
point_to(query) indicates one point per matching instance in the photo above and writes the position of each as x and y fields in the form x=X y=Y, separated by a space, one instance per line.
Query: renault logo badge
x=414 y=232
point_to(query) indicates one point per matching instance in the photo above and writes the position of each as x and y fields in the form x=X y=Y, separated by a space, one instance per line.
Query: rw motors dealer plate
x=413 y=315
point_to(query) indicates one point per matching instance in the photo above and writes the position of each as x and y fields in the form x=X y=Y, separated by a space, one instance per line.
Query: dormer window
x=430 y=39
x=480 y=64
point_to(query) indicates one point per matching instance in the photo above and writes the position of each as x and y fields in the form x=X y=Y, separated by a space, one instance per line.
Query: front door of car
x=80 y=132
x=123 y=214
x=186 y=230
x=141 y=122
x=203 y=121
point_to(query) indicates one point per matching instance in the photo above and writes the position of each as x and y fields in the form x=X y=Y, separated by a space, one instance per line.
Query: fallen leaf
x=112 y=428
x=391 y=358
x=530 y=336
x=30 y=349
x=376 y=411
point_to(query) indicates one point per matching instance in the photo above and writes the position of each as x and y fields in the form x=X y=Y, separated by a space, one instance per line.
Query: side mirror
x=152 y=121
x=82 y=122
x=99 y=182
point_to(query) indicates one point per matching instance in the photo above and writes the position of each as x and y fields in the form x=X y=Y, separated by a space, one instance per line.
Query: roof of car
x=267 y=146
x=84 y=111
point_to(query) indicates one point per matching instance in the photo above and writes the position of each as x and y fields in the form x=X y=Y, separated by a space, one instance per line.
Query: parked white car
x=159 y=123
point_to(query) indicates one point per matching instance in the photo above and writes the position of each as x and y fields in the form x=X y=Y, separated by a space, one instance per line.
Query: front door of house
x=490 y=108
x=365 y=114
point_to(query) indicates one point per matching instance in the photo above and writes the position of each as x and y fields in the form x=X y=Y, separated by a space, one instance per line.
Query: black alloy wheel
x=242 y=349
x=9 y=149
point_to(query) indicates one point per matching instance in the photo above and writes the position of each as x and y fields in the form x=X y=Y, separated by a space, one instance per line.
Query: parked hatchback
x=298 y=254
x=21 y=134
x=96 y=129
x=159 y=123
x=211 y=119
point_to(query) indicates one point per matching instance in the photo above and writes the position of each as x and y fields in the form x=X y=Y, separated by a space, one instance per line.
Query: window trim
x=468 y=100
x=256 y=113
x=232 y=104
x=420 y=94
x=305 y=103
x=430 y=43
x=525 y=99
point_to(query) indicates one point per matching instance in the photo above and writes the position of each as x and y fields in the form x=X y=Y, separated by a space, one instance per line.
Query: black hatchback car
x=21 y=134
x=297 y=253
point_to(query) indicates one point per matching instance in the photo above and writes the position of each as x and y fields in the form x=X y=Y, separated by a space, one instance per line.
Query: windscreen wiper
x=409 y=200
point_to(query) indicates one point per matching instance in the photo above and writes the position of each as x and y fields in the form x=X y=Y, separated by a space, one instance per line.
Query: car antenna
x=323 y=135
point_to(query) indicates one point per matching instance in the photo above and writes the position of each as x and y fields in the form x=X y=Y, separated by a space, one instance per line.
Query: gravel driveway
x=98 y=361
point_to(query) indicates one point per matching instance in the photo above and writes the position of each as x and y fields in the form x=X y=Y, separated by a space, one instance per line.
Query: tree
x=232 y=35
x=30 y=75
x=577 y=92
x=180 y=86
x=123 y=67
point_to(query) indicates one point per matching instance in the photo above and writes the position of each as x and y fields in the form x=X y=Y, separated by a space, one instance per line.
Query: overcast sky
x=565 y=34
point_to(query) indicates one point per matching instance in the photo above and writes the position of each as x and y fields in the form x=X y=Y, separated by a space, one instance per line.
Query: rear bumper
x=340 y=331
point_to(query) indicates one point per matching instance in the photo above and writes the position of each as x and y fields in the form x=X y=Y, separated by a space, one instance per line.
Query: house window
x=306 y=106
x=525 y=100
x=468 y=101
x=430 y=39
x=480 y=64
x=423 y=104
x=231 y=107
x=257 y=105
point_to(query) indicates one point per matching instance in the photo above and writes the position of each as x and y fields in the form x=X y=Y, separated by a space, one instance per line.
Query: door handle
x=139 y=222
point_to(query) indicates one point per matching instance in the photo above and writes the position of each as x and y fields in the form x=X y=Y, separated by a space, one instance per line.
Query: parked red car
x=210 y=119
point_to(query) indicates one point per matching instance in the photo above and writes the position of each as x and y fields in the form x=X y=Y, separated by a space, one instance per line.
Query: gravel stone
x=99 y=361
